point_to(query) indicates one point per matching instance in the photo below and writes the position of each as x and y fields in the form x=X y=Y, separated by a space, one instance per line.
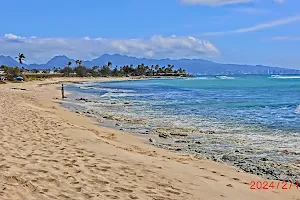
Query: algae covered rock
x=179 y=134
x=163 y=135
x=124 y=119
x=172 y=132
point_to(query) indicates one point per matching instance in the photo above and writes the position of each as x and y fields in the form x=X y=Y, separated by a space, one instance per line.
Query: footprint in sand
x=112 y=196
x=218 y=173
x=172 y=192
x=121 y=189
x=148 y=192
x=133 y=197
x=209 y=178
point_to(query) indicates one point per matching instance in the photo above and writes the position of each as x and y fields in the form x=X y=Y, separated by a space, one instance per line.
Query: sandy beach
x=48 y=152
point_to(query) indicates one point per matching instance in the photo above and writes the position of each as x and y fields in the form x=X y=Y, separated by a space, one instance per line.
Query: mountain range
x=193 y=66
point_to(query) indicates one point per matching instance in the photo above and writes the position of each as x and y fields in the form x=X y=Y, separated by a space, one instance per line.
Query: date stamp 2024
x=270 y=185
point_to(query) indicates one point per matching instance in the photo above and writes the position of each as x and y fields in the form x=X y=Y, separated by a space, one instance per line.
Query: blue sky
x=228 y=31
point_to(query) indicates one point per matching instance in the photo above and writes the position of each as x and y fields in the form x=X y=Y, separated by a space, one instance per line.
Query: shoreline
x=175 y=139
x=100 y=162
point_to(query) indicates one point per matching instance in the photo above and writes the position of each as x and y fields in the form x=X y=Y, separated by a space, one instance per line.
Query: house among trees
x=1 y=71
x=2 y=78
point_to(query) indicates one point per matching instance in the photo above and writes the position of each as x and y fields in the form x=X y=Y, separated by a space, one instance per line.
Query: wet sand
x=48 y=152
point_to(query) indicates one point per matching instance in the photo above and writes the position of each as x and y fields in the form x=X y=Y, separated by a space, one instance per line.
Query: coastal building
x=1 y=71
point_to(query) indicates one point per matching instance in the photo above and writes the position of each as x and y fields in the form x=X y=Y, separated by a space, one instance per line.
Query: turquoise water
x=269 y=102
x=253 y=116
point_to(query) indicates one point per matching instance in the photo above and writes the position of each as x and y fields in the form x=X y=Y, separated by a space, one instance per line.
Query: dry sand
x=47 y=152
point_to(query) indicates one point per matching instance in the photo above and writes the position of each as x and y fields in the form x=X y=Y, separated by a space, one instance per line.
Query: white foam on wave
x=87 y=88
x=285 y=77
x=112 y=90
x=298 y=109
x=119 y=95
x=203 y=78
x=225 y=77
x=86 y=85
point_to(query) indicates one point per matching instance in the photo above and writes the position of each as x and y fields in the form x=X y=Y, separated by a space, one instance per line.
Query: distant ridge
x=194 y=66
x=7 y=60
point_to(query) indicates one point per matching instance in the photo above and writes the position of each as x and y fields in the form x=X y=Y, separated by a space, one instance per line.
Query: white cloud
x=251 y=10
x=279 y=1
x=13 y=38
x=42 y=49
x=284 y=38
x=275 y=23
x=214 y=2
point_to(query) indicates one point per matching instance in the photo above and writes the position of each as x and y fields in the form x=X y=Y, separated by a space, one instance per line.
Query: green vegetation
x=11 y=72
x=96 y=71
x=31 y=77
x=21 y=58
x=108 y=70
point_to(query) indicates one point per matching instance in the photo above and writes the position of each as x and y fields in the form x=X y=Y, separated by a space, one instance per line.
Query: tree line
x=12 y=72
x=96 y=71
x=126 y=70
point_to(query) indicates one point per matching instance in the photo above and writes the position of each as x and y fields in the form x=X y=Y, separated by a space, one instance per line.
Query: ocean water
x=253 y=117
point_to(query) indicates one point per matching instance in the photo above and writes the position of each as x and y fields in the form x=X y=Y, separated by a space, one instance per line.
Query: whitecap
x=285 y=77
x=225 y=77
x=114 y=90
x=298 y=109
x=204 y=78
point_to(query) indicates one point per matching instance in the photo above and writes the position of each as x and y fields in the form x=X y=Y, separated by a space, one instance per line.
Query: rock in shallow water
x=179 y=134
x=181 y=141
x=82 y=99
x=163 y=135
x=228 y=158
x=264 y=159
x=152 y=140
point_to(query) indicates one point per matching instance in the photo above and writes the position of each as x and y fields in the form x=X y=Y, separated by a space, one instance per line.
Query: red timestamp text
x=269 y=185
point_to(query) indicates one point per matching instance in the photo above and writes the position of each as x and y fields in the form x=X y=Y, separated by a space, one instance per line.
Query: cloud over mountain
x=40 y=49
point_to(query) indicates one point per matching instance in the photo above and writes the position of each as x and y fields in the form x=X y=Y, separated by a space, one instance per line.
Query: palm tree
x=21 y=58
x=95 y=70
x=70 y=63
x=180 y=71
x=78 y=62
x=151 y=71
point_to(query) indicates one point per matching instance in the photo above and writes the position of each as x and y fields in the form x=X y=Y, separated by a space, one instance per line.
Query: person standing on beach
x=62 y=91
